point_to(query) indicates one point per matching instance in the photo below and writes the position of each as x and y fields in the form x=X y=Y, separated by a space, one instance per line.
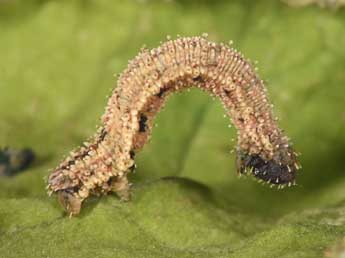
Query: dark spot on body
x=70 y=163
x=142 y=123
x=132 y=154
x=226 y=91
x=198 y=79
x=110 y=181
x=102 y=135
x=161 y=92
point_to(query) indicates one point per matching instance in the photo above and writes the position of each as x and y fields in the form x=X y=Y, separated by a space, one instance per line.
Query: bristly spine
x=102 y=166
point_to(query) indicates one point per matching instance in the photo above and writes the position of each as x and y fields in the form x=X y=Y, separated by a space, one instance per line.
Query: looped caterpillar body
x=102 y=166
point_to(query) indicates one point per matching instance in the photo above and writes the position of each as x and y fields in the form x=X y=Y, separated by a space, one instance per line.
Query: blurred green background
x=57 y=61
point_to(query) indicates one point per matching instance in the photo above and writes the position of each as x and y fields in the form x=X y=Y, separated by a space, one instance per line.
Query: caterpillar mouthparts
x=101 y=165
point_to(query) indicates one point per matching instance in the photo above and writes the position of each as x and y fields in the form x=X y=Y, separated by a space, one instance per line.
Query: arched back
x=143 y=88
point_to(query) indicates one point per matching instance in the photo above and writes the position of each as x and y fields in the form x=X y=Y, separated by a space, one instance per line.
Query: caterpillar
x=102 y=165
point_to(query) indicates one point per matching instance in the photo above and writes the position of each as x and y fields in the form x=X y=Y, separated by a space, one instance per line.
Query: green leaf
x=57 y=64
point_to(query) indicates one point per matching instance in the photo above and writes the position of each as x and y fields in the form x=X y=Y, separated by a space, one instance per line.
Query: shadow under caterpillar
x=102 y=166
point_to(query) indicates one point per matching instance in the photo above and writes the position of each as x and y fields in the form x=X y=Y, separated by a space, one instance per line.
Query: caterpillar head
x=69 y=201
x=281 y=172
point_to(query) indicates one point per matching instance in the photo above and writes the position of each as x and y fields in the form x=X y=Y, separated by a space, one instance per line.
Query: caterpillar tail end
x=279 y=173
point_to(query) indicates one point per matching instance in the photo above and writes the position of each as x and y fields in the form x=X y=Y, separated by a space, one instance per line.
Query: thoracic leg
x=121 y=187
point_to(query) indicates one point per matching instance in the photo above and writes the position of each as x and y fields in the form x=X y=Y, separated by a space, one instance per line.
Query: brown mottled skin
x=102 y=166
